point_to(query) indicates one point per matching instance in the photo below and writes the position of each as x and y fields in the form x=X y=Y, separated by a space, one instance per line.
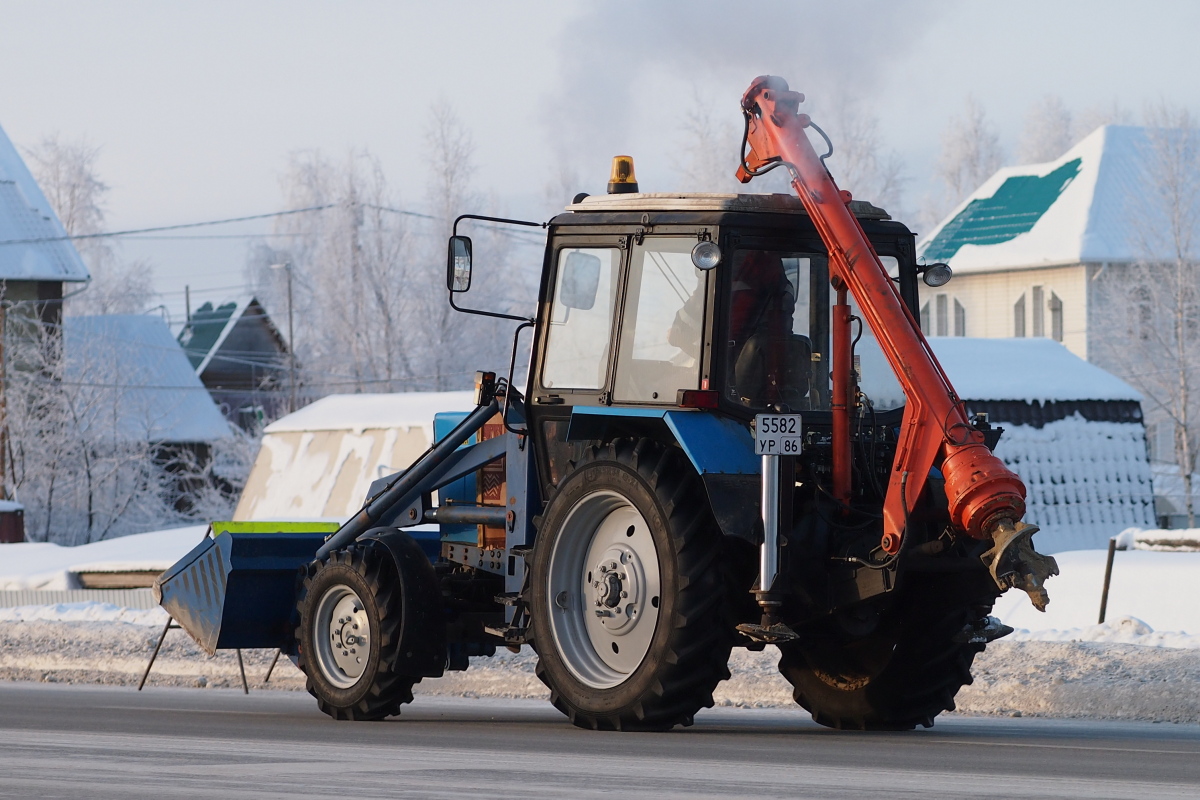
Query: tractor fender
x=423 y=623
x=720 y=449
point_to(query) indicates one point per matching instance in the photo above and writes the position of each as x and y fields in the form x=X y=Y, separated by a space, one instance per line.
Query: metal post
x=154 y=655
x=1112 y=551
x=242 y=669
x=768 y=561
x=291 y=346
x=271 y=668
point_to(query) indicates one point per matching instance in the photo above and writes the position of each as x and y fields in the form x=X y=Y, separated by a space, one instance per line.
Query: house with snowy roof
x=36 y=258
x=242 y=357
x=131 y=383
x=1072 y=431
x=1034 y=247
x=319 y=462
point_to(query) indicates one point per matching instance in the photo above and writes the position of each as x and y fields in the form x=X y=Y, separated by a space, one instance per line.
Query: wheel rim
x=342 y=635
x=604 y=586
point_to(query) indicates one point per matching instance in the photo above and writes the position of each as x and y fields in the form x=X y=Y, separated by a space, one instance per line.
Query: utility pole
x=287 y=266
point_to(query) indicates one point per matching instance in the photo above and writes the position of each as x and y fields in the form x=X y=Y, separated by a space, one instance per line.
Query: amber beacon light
x=622 y=180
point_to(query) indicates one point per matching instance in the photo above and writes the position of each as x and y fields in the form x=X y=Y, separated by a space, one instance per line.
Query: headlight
x=937 y=275
x=706 y=255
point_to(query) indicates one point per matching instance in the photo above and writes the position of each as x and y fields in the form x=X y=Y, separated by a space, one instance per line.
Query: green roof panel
x=200 y=335
x=1014 y=209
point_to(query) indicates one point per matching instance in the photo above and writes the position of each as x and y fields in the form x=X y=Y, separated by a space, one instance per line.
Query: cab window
x=577 y=340
x=662 y=327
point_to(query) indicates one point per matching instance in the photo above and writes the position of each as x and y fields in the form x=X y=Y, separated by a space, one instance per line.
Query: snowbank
x=1181 y=540
x=1161 y=590
x=43 y=565
x=84 y=612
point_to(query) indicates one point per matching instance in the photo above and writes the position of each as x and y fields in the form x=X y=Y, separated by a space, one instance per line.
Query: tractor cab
x=653 y=303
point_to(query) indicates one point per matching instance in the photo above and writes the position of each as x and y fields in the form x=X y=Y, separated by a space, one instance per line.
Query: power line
x=111 y=234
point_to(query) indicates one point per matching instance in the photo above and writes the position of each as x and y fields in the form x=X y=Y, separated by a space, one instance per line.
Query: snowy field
x=1143 y=663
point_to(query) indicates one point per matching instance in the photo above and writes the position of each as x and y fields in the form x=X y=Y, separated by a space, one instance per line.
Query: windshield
x=777 y=323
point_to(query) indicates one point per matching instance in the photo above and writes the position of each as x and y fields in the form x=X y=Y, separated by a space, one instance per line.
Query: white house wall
x=988 y=300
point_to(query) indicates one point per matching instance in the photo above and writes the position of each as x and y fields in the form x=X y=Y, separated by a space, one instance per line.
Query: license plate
x=777 y=435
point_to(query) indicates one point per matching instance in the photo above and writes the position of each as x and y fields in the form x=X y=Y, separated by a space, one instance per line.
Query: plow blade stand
x=238 y=590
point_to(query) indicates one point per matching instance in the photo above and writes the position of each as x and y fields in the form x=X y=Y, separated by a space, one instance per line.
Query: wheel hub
x=604 y=576
x=342 y=636
x=618 y=580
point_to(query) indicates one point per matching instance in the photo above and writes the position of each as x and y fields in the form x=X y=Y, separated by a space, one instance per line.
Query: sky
x=197 y=106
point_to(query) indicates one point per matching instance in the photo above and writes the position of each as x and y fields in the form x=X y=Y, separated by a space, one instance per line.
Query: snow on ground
x=1160 y=590
x=42 y=565
x=1144 y=663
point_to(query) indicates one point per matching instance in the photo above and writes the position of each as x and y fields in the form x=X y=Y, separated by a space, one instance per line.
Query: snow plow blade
x=237 y=589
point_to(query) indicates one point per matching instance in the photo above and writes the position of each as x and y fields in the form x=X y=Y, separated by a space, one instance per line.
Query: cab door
x=574 y=354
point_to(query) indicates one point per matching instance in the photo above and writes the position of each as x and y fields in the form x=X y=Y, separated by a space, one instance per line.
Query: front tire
x=349 y=634
x=629 y=615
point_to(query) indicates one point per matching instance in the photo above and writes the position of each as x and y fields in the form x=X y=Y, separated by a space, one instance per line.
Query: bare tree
x=709 y=149
x=1150 y=330
x=1091 y=118
x=861 y=162
x=1048 y=131
x=349 y=266
x=87 y=460
x=970 y=154
x=66 y=172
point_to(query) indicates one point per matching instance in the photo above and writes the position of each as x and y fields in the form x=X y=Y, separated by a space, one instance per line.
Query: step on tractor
x=733 y=434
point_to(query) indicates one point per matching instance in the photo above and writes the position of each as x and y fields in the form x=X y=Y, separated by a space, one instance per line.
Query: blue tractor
x=701 y=459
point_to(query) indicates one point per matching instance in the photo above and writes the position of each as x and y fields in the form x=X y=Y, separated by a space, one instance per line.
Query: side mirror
x=579 y=281
x=458 y=264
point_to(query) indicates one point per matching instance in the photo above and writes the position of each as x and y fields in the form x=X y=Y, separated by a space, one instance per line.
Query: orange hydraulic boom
x=986 y=499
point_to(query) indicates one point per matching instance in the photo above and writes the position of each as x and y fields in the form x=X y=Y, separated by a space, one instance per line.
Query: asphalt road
x=100 y=742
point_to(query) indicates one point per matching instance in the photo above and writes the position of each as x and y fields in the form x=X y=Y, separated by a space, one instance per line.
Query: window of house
x=1039 y=311
x=1019 y=317
x=960 y=319
x=942 y=307
x=1056 y=318
x=926 y=326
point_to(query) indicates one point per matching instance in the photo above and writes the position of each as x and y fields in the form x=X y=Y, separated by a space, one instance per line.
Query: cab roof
x=678 y=201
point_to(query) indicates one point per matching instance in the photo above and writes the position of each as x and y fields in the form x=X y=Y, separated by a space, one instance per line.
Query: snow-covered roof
x=1085 y=481
x=137 y=379
x=1080 y=208
x=1072 y=431
x=359 y=412
x=1029 y=370
x=1035 y=370
x=25 y=214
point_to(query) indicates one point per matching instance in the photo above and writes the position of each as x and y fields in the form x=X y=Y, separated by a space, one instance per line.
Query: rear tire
x=629 y=616
x=903 y=673
x=349 y=634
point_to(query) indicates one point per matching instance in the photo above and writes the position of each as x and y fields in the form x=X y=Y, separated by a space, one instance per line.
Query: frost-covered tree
x=1048 y=131
x=368 y=274
x=861 y=161
x=709 y=150
x=349 y=266
x=84 y=460
x=970 y=154
x=1150 y=331
x=66 y=172
x=1103 y=114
